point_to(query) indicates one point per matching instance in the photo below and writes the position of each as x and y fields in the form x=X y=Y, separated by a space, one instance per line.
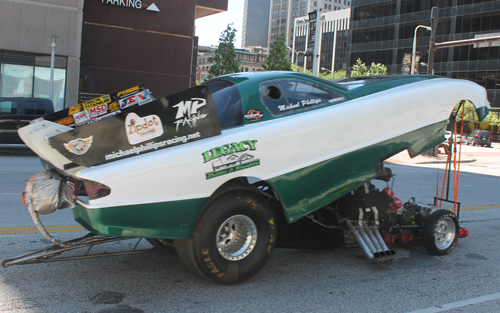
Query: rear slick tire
x=440 y=232
x=232 y=240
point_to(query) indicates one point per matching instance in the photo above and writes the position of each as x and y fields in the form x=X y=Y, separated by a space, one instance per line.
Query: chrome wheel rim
x=236 y=237
x=444 y=233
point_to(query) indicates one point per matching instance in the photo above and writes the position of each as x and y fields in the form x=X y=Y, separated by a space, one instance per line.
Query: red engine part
x=389 y=192
x=405 y=238
x=397 y=204
x=463 y=233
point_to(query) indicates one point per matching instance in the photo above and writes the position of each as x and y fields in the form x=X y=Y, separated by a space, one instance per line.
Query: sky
x=209 y=28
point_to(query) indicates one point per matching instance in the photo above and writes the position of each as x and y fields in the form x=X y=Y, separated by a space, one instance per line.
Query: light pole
x=425 y=64
x=325 y=69
x=52 y=63
x=414 y=50
x=295 y=58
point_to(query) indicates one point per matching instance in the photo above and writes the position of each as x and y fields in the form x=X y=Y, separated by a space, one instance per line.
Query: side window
x=227 y=102
x=33 y=107
x=8 y=107
x=287 y=96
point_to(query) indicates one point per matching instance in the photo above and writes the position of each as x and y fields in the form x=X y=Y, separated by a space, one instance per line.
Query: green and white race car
x=226 y=171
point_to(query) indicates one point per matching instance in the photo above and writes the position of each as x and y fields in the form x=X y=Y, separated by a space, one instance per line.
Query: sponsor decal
x=254 y=115
x=127 y=102
x=113 y=107
x=230 y=158
x=299 y=104
x=79 y=146
x=65 y=121
x=336 y=99
x=151 y=146
x=87 y=105
x=81 y=117
x=98 y=110
x=127 y=91
x=74 y=109
x=187 y=112
x=143 y=97
x=140 y=129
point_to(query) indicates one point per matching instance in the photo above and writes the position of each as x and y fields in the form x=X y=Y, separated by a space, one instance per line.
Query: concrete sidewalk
x=404 y=157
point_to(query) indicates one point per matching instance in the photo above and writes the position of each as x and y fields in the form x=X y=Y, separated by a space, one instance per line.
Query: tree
x=225 y=58
x=470 y=115
x=277 y=60
x=360 y=69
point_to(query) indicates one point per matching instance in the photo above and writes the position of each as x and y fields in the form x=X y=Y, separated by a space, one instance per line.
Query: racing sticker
x=140 y=129
x=231 y=158
x=81 y=117
x=66 y=121
x=94 y=109
x=79 y=146
x=254 y=115
x=188 y=112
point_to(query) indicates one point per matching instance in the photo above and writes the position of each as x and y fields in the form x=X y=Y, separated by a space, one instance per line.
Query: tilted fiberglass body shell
x=309 y=159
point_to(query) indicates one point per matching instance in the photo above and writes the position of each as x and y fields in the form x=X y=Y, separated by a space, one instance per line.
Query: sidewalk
x=404 y=157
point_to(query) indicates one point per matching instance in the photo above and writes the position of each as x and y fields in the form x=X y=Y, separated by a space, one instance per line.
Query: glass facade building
x=383 y=32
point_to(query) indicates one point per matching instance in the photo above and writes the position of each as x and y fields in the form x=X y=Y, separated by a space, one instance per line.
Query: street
x=343 y=280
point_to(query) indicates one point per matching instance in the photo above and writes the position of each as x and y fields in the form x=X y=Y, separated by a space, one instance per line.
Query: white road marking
x=459 y=304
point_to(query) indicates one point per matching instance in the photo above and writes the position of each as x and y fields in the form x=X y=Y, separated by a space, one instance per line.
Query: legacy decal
x=230 y=158
x=79 y=146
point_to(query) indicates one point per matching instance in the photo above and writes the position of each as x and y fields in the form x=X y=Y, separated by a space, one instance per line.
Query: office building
x=334 y=30
x=284 y=12
x=383 y=32
x=255 y=23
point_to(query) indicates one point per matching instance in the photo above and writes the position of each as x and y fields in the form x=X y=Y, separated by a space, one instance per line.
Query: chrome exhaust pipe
x=360 y=240
x=382 y=242
x=369 y=243
x=376 y=243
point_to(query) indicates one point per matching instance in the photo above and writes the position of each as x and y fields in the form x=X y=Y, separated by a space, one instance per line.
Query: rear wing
x=81 y=136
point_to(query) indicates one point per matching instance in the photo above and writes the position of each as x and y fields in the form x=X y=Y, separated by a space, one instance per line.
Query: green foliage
x=325 y=75
x=277 y=60
x=360 y=69
x=225 y=58
x=339 y=74
x=470 y=115
x=378 y=69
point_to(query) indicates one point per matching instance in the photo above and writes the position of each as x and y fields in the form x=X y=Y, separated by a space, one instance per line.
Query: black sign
x=177 y=119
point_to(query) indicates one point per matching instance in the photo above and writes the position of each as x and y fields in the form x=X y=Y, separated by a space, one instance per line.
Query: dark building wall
x=123 y=46
x=383 y=31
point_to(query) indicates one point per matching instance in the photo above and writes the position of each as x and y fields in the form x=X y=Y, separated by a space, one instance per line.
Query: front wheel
x=440 y=232
x=233 y=239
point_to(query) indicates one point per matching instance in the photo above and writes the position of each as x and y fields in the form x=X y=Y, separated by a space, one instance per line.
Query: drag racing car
x=226 y=171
